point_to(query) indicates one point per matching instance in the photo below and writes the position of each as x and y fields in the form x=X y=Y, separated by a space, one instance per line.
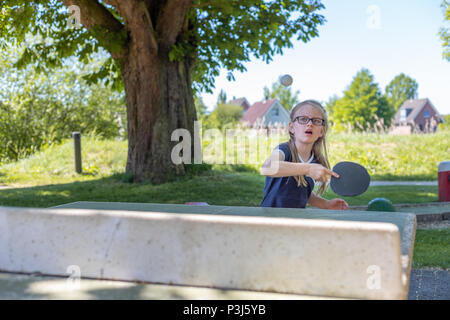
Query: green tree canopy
x=362 y=104
x=287 y=98
x=400 y=89
x=444 y=32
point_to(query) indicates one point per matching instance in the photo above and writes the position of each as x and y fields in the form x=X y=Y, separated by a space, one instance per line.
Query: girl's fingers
x=334 y=174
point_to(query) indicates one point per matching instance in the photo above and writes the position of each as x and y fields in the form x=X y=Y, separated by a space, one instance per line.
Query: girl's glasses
x=305 y=120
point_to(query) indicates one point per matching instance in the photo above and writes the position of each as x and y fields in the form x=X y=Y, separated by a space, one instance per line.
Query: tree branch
x=150 y=23
x=109 y=31
x=171 y=20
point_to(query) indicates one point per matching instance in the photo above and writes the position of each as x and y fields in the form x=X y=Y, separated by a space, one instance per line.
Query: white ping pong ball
x=286 y=80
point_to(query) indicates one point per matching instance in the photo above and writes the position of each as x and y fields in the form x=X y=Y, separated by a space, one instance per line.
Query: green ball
x=380 y=204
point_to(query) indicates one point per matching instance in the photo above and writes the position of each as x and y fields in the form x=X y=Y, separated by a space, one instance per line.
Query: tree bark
x=159 y=100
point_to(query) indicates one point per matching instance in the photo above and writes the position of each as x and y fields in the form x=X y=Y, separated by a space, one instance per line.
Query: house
x=416 y=115
x=241 y=102
x=266 y=113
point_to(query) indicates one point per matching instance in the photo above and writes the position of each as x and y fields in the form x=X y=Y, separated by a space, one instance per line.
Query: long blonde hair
x=319 y=148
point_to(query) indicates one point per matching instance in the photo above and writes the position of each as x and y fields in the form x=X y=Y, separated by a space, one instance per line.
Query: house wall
x=420 y=118
x=271 y=118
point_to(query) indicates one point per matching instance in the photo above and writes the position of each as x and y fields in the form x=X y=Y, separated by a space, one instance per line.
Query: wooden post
x=77 y=148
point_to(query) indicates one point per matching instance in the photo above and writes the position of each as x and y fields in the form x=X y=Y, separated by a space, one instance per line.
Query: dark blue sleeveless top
x=283 y=192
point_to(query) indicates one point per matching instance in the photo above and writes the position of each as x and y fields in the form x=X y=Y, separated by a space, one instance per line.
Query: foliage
x=362 y=104
x=283 y=94
x=55 y=38
x=37 y=109
x=446 y=124
x=223 y=116
x=329 y=107
x=444 y=32
x=221 y=34
x=222 y=97
x=200 y=108
x=400 y=89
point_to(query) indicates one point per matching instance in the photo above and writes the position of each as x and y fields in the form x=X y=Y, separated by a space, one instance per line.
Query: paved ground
x=429 y=284
x=425 y=284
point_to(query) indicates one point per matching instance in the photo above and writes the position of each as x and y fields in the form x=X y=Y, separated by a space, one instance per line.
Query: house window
x=403 y=115
x=426 y=114
x=276 y=112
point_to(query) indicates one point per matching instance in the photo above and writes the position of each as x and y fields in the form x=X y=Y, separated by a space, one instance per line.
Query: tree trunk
x=159 y=100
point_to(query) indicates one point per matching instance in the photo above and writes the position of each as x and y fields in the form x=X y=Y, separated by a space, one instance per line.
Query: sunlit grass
x=386 y=157
x=432 y=248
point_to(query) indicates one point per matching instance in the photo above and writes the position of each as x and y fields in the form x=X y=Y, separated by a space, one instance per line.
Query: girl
x=293 y=165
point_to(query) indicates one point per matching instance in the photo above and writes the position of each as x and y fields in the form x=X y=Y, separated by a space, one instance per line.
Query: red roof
x=257 y=111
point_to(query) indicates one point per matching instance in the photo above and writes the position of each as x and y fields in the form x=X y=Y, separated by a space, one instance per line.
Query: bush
x=446 y=124
x=223 y=116
x=37 y=109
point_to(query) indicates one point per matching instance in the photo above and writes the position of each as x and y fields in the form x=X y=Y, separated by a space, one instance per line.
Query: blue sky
x=387 y=37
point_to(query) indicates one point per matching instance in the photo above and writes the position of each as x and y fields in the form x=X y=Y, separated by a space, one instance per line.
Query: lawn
x=386 y=157
x=215 y=187
x=432 y=248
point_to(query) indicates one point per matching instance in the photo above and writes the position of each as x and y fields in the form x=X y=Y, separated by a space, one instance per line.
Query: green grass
x=386 y=157
x=432 y=248
x=100 y=158
x=214 y=187
x=389 y=157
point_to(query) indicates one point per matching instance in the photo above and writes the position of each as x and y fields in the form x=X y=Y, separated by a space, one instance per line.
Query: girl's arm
x=275 y=167
x=334 y=204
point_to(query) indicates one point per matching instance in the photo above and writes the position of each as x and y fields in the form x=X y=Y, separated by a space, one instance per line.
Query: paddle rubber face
x=353 y=179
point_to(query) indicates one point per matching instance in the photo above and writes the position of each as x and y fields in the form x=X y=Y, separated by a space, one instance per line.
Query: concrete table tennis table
x=306 y=252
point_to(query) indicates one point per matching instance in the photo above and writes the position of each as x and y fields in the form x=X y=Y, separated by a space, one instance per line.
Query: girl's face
x=307 y=133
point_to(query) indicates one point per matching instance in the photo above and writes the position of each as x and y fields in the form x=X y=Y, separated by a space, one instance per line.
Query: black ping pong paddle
x=353 y=179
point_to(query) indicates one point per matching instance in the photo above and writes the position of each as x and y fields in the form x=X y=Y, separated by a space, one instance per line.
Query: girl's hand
x=320 y=173
x=337 y=204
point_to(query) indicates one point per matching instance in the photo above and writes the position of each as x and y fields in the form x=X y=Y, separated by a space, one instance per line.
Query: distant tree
x=446 y=124
x=329 y=105
x=223 y=116
x=444 y=32
x=400 y=89
x=222 y=97
x=200 y=107
x=362 y=104
x=283 y=94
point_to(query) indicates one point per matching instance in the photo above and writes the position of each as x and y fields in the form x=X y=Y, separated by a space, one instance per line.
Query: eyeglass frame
x=322 y=123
